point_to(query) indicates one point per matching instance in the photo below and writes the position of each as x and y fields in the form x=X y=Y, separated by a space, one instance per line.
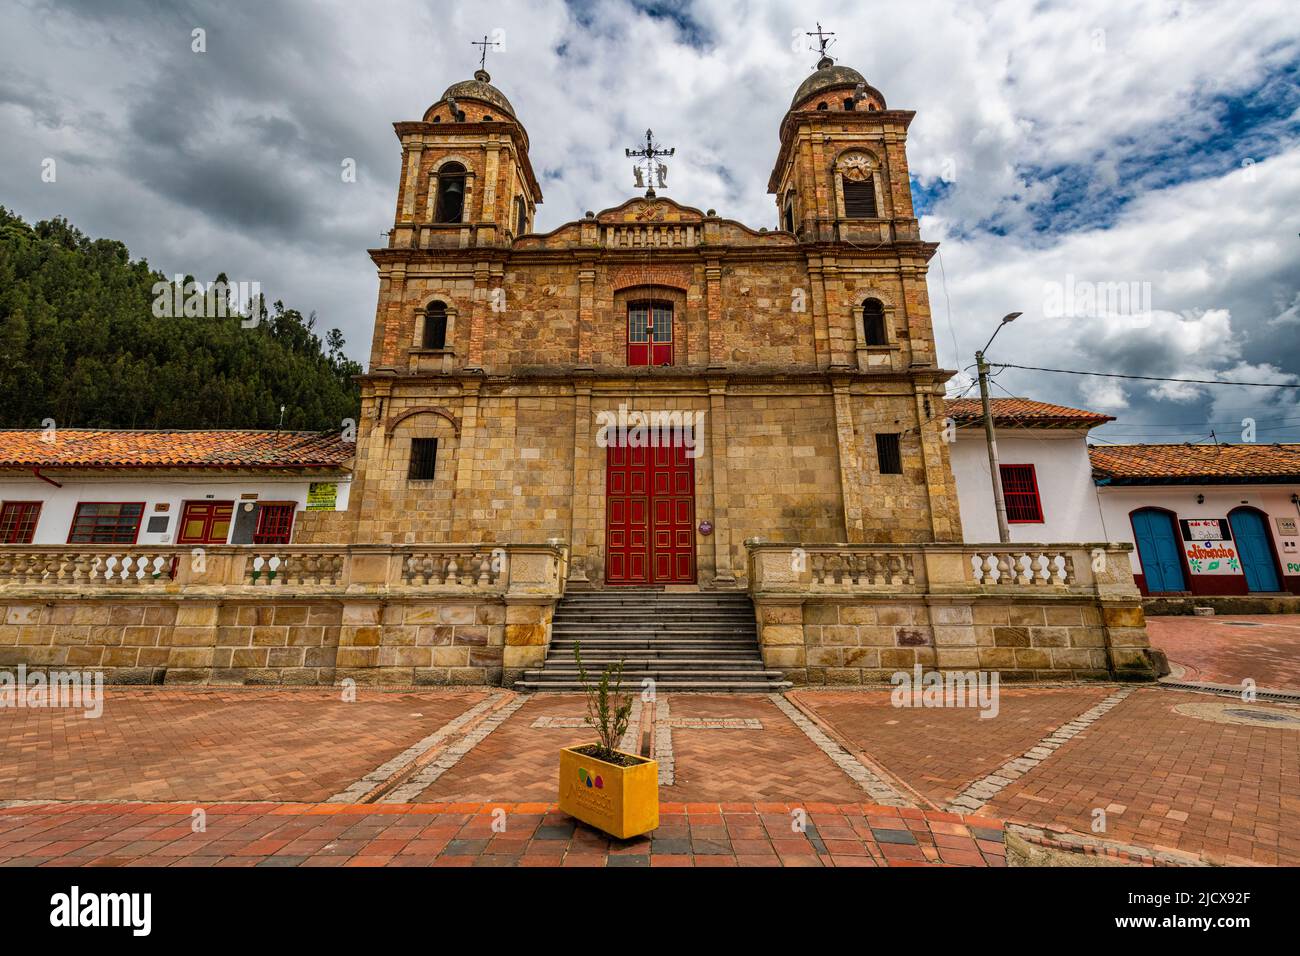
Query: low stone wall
x=857 y=615
x=319 y=616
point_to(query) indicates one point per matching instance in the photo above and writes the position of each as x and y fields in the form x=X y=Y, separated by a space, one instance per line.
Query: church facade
x=650 y=398
x=785 y=379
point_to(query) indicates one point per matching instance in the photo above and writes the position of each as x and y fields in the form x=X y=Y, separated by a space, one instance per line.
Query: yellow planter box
x=622 y=801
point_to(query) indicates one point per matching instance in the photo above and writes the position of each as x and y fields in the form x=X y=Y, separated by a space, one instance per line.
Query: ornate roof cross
x=823 y=41
x=486 y=44
x=647 y=168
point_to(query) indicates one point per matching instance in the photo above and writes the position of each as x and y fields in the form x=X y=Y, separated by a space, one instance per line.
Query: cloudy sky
x=1059 y=149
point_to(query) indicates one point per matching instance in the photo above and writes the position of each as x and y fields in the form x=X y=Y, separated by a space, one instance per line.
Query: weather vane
x=823 y=41
x=486 y=44
x=647 y=168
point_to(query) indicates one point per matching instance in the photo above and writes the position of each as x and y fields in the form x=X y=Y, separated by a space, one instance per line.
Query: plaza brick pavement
x=1222 y=792
x=1215 y=651
x=269 y=835
x=1167 y=777
x=1228 y=792
x=776 y=763
x=157 y=744
x=938 y=751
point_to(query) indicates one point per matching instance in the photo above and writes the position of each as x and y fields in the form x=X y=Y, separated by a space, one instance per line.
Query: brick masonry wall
x=824 y=641
x=144 y=641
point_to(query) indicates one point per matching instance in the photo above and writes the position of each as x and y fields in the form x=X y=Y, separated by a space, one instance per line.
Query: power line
x=1143 y=378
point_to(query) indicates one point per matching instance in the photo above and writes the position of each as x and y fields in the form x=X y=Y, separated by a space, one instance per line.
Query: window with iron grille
x=873 y=323
x=18 y=521
x=650 y=333
x=106 y=522
x=435 y=326
x=860 y=200
x=1020 y=491
x=274 y=524
x=424 y=457
x=888 y=456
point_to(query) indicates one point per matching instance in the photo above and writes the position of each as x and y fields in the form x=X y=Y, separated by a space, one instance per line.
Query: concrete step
x=714 y=673
x=764 y=687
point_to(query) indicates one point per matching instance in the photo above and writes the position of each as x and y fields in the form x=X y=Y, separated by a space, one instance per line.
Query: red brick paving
x=160 y=744
x=535 y=834
x=1239 y=786
x=1215 y=652
x=516 y=762
x=940 y=751
x=777 y=763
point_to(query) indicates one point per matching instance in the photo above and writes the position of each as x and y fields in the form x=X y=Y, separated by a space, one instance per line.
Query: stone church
x=564 y=433
x=800 y=354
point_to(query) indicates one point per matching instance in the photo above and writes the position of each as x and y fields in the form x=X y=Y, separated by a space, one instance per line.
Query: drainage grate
x=1263 y=716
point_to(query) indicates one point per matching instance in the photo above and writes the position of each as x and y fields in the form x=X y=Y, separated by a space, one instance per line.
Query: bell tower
x=466 y=178
x=841 y=173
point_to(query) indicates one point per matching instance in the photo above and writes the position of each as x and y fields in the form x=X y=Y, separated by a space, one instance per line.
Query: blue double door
x=1159 y=550
x=1256 y=551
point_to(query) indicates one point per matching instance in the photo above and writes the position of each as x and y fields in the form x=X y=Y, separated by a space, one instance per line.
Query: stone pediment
x=658 y=222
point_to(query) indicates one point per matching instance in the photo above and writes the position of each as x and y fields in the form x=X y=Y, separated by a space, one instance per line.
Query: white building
x=1046 y=475
x=82 y=486
x=1204 y=519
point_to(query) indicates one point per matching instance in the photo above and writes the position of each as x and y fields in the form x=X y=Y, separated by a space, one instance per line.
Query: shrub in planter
x=600 y=785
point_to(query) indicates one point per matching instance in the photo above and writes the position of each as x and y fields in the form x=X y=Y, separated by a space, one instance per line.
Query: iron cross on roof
x=486 y=44
x=823 y=41
x=647 y=168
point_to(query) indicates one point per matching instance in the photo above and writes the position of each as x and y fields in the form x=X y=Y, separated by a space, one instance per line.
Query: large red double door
x=650 y=516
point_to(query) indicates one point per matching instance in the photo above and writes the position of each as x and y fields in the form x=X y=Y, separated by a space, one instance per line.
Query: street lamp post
x=990 y=436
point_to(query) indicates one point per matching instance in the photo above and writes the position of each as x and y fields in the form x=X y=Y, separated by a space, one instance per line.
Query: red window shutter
x=274 y=523
x=1020 y=490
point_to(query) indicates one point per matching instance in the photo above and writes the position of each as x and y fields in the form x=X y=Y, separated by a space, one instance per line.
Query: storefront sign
x=1212 y=557
x=322 y=495
x=1206 y=529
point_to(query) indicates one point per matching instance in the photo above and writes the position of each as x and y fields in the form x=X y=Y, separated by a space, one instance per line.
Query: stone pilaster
x=723 y=575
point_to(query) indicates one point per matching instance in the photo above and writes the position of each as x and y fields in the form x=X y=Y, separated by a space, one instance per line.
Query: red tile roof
x=1024 y=413
x=1183 y=464
x=93 y=448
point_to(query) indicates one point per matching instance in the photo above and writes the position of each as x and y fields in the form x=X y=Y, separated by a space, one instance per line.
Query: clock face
x=856 y=166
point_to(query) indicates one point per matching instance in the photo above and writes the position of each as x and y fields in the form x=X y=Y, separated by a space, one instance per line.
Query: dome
x=828 y=77
x=479 y=89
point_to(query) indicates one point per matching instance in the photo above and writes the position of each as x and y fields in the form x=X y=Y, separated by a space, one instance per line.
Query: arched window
x=788 y=216
x=435 y=326
x=451 y=193
x=521 y=216
x=822 y=106
x=873 y=323
x=650 y=333
x=849 y=103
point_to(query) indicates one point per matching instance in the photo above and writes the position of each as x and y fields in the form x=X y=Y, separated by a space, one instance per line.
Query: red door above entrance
x=650 y=516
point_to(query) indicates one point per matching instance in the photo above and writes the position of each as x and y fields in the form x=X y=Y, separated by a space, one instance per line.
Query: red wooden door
x=650 y=516
x=205 y=522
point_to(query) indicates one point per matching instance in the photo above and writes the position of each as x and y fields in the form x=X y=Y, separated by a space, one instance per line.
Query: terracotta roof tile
x=1024 y=412
x=91 y=448
x=1154 y=464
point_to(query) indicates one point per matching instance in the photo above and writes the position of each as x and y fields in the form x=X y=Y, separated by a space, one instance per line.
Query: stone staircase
x=682 y=640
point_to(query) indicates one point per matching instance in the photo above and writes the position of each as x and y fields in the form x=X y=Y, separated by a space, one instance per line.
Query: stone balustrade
x=858 y=613
x=655 y=235
x=487 y=569
x=938 y=568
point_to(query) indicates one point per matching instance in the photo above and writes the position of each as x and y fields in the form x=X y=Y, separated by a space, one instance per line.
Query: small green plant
x=608 y=708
